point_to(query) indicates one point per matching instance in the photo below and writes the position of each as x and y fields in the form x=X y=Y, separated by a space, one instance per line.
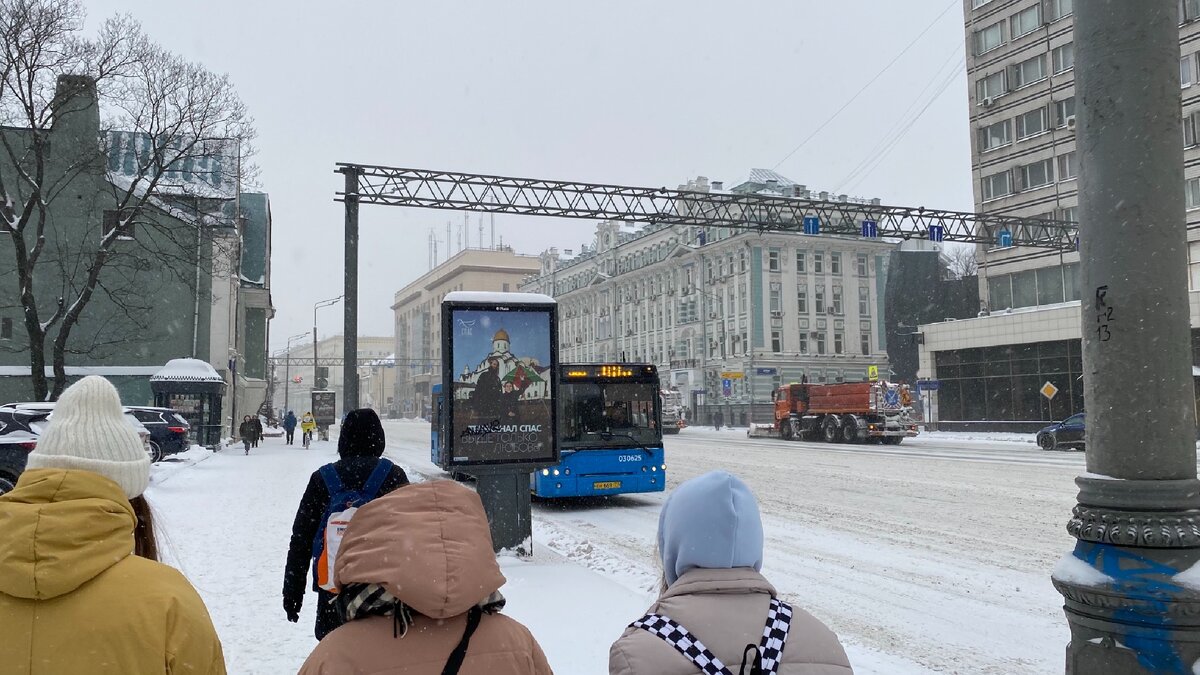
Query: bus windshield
x=609 y=414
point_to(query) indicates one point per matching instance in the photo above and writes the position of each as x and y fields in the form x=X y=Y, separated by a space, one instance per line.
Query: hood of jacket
x=60 y=529
x=710 y=522
x=427 y=544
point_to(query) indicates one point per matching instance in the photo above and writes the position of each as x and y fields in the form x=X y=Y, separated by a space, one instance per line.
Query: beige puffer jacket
x=726 y=610
x=429 y=546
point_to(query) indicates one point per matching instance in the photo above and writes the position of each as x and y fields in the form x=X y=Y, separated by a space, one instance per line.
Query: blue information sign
x=936 y=233
x=870 y=229
x=1004 y=239
x=812 y=225
x=765 y=371
x=727 y=387
x=928 y=385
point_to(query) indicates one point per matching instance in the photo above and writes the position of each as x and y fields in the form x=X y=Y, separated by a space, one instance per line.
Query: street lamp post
x=316 y=306
x=1129 y=598
x=287 y=380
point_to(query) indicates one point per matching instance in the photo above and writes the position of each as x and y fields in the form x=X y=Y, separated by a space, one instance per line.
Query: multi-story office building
x=418 y=315
x=1020 y=65
x=725 y=314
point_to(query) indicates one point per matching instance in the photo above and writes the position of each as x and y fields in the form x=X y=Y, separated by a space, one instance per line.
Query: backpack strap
x=375 y=481
x=333 y=482
x=683 y=641
x=454 y=663
x=775 y=634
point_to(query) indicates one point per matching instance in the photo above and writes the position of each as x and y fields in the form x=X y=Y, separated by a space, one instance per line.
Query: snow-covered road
x=929 y=557
x=932 y=556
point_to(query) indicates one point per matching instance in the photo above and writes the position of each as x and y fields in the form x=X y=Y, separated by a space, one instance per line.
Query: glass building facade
x=1003 y=383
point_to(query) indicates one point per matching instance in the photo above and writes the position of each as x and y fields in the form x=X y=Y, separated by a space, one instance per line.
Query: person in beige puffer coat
x=417 y=576
x=710 y=538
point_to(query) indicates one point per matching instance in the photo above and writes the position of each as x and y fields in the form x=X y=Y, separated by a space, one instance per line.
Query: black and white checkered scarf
x=356 y=601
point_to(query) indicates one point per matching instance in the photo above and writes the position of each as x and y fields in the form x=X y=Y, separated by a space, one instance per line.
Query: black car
x=1065 y=434
x=19 y=431
x=168 y=430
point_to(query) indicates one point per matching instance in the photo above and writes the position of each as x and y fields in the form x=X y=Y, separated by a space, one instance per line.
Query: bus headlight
x=654 y=468
x=545 y=472
x=556 y=472
x=664 y=467
x=567 y=472
x=643 y=469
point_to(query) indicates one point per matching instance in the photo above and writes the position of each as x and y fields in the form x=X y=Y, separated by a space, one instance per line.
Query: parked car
x=19 y=431
x=168 y=430
x=25 y=423
x=1065 y=434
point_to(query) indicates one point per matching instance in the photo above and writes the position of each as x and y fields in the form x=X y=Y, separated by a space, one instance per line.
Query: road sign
x=1049 y=390
x=732 y=375
x=870 y=229
x=1004 y=239
x=812 y=225
x=872 y=373
x=928 y=385
x=937 y=233
x=727 y=387
x=765 y=371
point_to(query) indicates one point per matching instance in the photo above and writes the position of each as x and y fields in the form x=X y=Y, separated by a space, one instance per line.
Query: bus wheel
x=829 y=430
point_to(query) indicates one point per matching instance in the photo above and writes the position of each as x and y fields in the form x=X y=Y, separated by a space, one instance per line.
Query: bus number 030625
x=629 y=458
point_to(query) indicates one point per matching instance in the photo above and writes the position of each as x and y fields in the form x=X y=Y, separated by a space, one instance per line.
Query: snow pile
x=1189 y=578
x=187 y=370
x=1072 y=570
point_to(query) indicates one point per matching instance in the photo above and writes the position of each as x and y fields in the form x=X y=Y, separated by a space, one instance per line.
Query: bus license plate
x=606 y=485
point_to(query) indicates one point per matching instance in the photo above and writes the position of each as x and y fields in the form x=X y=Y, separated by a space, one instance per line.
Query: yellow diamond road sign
x=1049 y=390
x=872 y=373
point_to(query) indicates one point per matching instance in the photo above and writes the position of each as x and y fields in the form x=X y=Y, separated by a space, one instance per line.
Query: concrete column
x=1137 y=521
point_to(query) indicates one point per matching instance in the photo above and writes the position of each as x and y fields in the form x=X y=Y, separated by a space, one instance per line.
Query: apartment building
x=1021 y=103
x=418 y=315
x=725 y=314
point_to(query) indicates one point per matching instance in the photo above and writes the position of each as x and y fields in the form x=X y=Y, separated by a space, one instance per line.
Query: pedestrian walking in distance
x=289 y=426
x=258 y=431
x=81 y=590
x=360 y=446
x=419 y=585
x=715 y=609
x=246 y=433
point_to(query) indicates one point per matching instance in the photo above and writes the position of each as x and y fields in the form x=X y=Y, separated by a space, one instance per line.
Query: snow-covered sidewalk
x=225 y=520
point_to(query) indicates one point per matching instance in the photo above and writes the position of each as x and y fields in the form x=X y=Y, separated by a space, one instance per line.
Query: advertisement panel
x=498 y=378
x=324 y=407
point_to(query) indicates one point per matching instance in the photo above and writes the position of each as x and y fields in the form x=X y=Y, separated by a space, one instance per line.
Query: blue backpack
x=342 y=505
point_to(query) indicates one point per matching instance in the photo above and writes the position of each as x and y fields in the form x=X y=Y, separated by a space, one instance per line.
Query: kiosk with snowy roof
x=192 y=388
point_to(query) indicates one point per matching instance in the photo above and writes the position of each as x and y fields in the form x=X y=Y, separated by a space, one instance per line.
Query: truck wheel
x=849 y=430
x=829 y=430
x=892 y=440
x=785 y=430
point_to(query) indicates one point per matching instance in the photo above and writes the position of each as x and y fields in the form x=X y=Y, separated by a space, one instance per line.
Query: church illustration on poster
x=524 y=374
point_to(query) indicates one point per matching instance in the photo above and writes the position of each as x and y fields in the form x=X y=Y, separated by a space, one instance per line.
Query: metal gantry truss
x=301 y=361
x=449 y=190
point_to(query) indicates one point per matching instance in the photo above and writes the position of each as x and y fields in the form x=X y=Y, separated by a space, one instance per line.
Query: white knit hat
x=88 y=431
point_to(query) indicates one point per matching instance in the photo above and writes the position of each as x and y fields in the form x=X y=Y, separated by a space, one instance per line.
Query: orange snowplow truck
x=851 y=412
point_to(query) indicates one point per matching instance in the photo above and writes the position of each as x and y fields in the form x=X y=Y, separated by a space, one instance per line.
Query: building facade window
x=1031 y=123
x=1025 y=21
x=1191 y=124
x=802 y=300
x=1037 y=174
x=1063 y=57
x=776 y=297
x=818 y=262
x=801 y=268
x=835 y=263
x=1193 y=193
x=864 y=301
x=1066 y=166
x=820 y=340
x=776 y=341
x=995 y=135
x=989 y=38
x=997 y=185
x=1029 y=71
x=802 y=343
x=861 y=265
x=1189 y=10
x=839 y=342
x=1064 y=110
x=864 y=343
x=992 y=86
x=1057 y=9
x=1193 y=270
x=836 y=300
x=1001 y=383
x=1187 y=70
x=819 y=300
x=773 y=260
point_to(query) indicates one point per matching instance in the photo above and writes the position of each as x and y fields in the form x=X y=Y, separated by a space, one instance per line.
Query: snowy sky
x=623 y=92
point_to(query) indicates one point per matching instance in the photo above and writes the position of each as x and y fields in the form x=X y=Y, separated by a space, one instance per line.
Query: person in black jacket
x=360 y=445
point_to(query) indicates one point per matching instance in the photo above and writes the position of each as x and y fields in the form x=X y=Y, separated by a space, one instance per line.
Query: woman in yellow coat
x=80 y=591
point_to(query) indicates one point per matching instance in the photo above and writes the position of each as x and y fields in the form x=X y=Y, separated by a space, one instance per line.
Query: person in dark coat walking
x=258 y=431
x=360 y=445
x=289 y=426
x=246 y=433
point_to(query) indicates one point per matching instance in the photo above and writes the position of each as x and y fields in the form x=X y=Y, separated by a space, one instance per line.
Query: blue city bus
x=609 y=432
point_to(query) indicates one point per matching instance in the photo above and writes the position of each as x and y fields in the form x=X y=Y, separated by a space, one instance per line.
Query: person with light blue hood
x=716 y=612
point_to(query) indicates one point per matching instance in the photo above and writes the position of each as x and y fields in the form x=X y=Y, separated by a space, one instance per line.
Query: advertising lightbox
x=498 y=369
